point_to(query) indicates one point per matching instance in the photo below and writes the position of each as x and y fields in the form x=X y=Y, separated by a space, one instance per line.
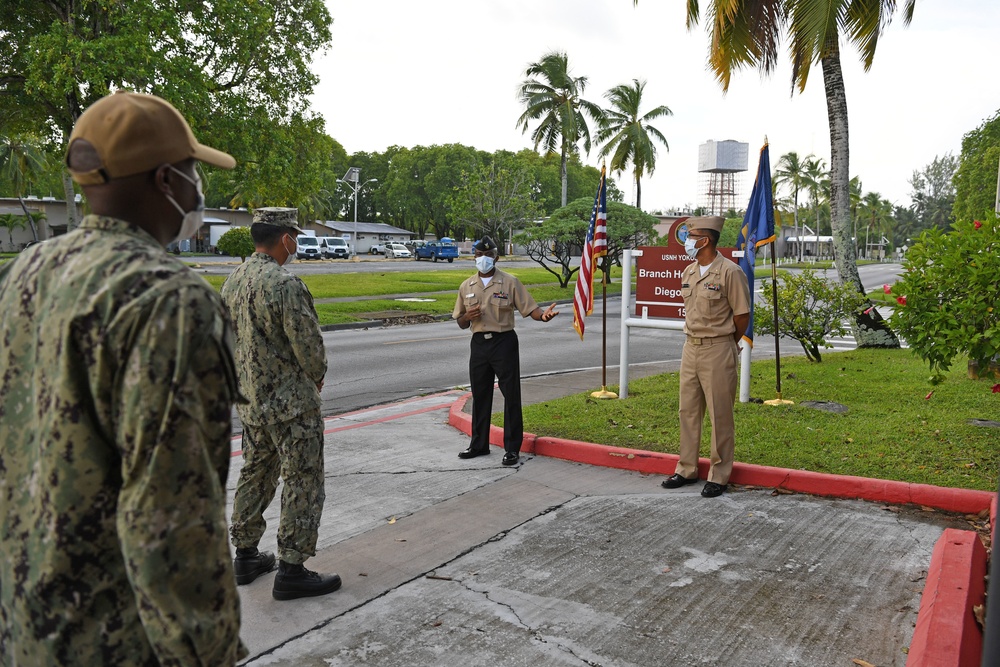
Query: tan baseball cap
x=706 y=222
x=134 y=133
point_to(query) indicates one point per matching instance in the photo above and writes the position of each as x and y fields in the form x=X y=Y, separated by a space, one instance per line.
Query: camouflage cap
x=714 y=222
x=279 y=217
x=485 y=244
x=133 y=133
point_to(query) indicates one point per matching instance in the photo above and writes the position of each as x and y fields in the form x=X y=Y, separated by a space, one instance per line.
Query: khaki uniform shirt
x=498 y=301
x=116 y=386
x=280 y=357
x=711 y=301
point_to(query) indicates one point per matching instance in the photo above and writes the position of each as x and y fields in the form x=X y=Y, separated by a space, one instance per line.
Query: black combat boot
x=250 y=564
x=295 y=581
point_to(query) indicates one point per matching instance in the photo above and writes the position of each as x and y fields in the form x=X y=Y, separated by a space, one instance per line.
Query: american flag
x=595 y=246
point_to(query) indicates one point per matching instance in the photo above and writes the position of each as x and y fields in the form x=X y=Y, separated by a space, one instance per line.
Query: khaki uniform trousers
x=708 y=379
x=292 y=450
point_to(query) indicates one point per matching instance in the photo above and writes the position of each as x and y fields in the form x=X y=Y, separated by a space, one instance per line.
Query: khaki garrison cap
x=279 y=217
x=133 y=134
x=706 y=222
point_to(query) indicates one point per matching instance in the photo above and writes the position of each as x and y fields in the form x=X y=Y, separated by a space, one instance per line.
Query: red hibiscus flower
x=977 y=224
x=996 y=389
x=886 y=289
x=901 y=300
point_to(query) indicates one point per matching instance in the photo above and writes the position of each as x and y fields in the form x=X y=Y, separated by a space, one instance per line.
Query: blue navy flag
x=758 y=227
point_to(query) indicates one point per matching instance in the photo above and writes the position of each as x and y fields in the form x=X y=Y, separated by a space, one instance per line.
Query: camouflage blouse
x=280 y=355
x=116 y=386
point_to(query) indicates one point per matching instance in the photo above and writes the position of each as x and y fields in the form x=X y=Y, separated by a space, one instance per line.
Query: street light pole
x=351 y=180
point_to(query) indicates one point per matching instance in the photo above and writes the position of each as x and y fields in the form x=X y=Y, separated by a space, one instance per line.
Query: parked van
x=308 y=247
x=334 y=247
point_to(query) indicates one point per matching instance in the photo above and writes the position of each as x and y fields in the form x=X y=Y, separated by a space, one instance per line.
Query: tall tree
x=791 y=173
x=22 y=160
x=933 y=192
x=496 y=198
x=976 y=178
x=749 y=34
x=57 y=58
x=628 y=133
x=554 y=98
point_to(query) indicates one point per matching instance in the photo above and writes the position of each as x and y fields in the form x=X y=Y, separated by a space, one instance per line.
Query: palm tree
x=628 y=133
x=10 y=222
x=876 y=213
x=555 y=100
x=749 y=34
x=791 y=172
x=817 y=184
x=21 y=161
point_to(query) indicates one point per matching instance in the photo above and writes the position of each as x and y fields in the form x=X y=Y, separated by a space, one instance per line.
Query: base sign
x=658 y=272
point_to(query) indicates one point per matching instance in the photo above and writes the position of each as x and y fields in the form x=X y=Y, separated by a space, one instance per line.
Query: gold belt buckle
x=696 y=341
x=488 y=335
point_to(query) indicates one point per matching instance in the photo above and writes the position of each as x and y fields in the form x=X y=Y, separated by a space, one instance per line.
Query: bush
x=237 y=243
x=809 y=310
x=948 y=296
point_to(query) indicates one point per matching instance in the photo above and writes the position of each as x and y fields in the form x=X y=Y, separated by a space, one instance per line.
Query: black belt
x=487 y=335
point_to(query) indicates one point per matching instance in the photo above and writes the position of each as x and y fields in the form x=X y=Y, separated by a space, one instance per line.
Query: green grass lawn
x=891 y=431
x=541 y=284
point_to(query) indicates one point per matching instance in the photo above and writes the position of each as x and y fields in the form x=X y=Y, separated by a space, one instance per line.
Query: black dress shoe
x=471 y=453
x=676 y=481
x=712 y=490
x=295 y=581
x=510 y=458
x=250 y=564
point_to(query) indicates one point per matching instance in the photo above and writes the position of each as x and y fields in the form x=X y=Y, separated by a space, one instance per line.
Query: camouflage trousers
x=293 y=450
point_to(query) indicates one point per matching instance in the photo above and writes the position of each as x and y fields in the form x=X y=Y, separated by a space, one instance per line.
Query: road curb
x=946 y=634
x=965 y=501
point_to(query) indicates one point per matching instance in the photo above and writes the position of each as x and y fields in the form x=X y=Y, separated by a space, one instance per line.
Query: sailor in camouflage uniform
x=281 y=363
x=116 y=387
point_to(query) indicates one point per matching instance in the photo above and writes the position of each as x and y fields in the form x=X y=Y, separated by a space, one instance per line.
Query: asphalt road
x=373 y=366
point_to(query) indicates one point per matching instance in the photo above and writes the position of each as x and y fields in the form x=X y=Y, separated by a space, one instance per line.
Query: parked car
x=413 y=244
x=377 y=248
x=335 y=247
x=308 y=247
x=394 y=250
x=445 y=249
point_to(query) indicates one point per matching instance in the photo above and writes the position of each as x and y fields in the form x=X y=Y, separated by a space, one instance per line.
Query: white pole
x=626 y=307
x=996 y=206
x=745 y=372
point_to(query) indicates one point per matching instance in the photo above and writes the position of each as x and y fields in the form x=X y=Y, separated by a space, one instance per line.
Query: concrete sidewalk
x=451 y=562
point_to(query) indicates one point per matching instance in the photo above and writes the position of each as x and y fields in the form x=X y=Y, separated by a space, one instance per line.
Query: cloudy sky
x=447 y=71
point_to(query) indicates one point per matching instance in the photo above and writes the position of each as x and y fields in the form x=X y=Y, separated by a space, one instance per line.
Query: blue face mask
x=484 y=263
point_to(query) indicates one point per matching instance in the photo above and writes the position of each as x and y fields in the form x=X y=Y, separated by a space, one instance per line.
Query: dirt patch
x=392 y=318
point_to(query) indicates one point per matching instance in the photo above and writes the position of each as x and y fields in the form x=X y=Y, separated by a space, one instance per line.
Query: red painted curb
x=966 y=501
x=947 y=634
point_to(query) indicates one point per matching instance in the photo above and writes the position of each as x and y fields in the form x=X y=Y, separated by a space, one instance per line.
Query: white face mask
x=291 y=253
x=194 y=219
x=484 y=263
x=689 y=247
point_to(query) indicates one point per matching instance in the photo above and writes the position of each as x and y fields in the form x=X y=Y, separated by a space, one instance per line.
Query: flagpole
x=604 y=393
x=777 y=352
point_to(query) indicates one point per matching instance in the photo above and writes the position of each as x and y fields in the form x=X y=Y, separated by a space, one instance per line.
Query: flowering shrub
x=949 y=296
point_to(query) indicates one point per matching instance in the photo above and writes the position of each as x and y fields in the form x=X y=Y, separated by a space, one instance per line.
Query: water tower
x=721 y=161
